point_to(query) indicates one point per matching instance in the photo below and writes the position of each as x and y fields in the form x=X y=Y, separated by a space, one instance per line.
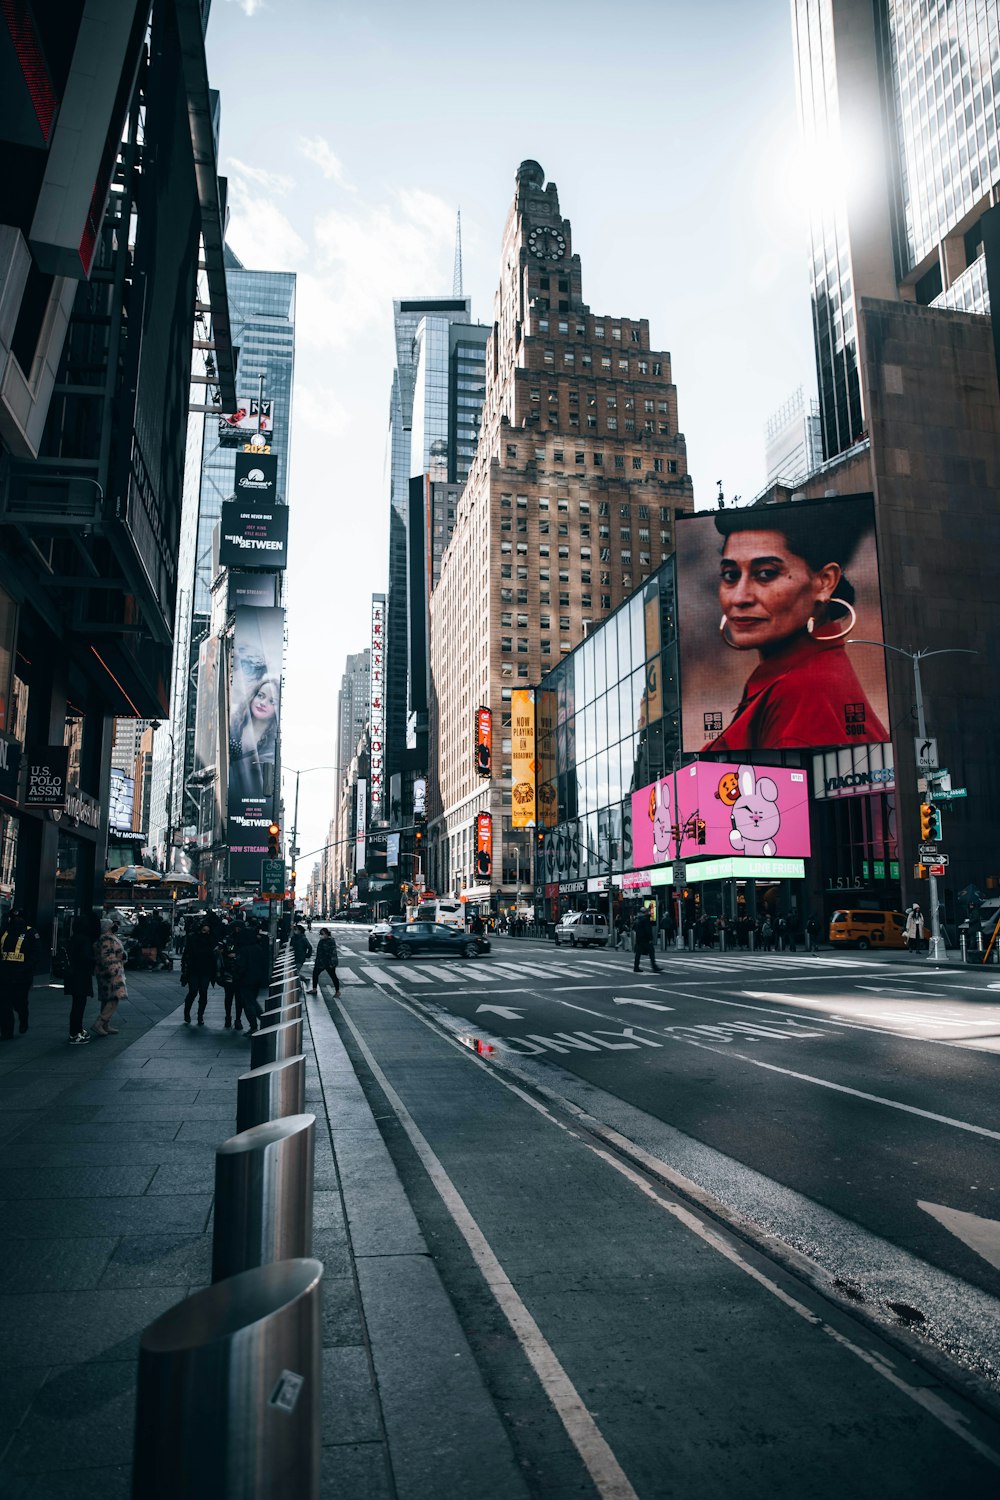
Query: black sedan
x=432 y=937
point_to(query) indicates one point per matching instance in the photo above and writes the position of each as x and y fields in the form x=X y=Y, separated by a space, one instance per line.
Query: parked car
x=581 y=928
x=432 y=937
x=378 y=935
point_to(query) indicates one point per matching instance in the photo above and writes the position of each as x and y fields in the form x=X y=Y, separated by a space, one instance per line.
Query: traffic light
x=273 y=841
x=418 y=837
x=927 y=815
x=935 y=822
x=540 y=837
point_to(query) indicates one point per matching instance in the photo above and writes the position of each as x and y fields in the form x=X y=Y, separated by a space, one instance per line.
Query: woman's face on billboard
x=768 y=592
x=263 y=705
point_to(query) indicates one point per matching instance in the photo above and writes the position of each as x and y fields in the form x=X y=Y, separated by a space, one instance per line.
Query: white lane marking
x=842 y=1088
x=932 y=1403
x=505 y=1011
x=981 y=1235
x=637 y=1000
x=610 y=1479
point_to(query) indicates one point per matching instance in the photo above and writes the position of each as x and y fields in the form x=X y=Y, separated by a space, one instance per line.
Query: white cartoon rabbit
x=659 y=815
x=756 y=816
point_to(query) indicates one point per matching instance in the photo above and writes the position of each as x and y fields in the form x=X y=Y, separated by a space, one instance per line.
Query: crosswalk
x=362 y=968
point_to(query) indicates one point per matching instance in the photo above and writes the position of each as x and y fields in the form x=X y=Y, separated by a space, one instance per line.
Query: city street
x=838 y=1113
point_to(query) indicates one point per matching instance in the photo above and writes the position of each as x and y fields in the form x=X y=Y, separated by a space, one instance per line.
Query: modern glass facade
x=904 y=220
x=606 y=725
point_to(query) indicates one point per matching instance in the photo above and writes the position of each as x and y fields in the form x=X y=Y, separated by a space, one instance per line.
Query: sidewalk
x=106 y=1186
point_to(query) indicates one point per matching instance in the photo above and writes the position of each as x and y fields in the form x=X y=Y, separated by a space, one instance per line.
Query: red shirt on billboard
x=806 y=695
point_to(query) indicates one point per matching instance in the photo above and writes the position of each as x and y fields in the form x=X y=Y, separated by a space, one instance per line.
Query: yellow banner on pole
x=523 y=762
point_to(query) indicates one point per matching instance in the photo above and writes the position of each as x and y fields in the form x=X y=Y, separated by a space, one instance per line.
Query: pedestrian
x=326 y=960
x=669 y=928
x=793 y=931
x=767 y=935
x=813 y=929
x=199 y=969
x=227 y=977
x=20 y=950
x=109 y=966
x=301 y=946
x=913 y=931
x=250 y=974
x=284 y=927
x=644 y=941
x=79 y=979
x=781 y=931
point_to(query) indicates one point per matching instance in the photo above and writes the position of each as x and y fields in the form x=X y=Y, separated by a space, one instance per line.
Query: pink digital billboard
x=761 y=811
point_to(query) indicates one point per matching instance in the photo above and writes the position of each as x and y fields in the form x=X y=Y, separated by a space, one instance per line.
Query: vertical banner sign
x=45 y=782
x=254 y=728
x=360 y=826
x=377 y=714
x=545 y=740
x=392 y=851
x=484 y=741
x=522 y=719
x=484 y=846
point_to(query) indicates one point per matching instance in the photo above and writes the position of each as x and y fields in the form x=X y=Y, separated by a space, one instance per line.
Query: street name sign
x=953 y=795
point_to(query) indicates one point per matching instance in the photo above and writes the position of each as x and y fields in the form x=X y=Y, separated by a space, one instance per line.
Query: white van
x=443 y=909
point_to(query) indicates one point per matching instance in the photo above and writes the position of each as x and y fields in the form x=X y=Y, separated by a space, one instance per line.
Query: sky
x=352 y=135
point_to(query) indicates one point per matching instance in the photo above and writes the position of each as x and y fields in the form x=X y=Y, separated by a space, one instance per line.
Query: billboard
x=45 y=780
x=768 y=599
x=376 y=716
x=256 y=477
x=250 y=417
x=121 y=801
x=254 y=733
x=522 y=726
x=738 y=809
x=545 y=740
x=484 y=846
x=484 y=741
x=253 y=535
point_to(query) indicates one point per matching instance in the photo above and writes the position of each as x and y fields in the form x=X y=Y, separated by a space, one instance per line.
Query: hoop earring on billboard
x=722 y=632
x=852 y=620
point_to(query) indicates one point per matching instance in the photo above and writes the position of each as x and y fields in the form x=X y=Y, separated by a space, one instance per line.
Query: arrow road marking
x=981 y=1235
x=646 y=1004
x=506 y=1011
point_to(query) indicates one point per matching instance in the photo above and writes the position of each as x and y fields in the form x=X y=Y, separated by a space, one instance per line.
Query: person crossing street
x=326 y=961
x=644 y=941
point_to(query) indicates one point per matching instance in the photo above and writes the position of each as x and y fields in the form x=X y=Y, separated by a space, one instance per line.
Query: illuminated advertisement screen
x=252 y=416
x=768 y=599
x=121 y=800
x=484 y=846
x=253 y=535
x=545 y=739
x=254 y=730
x=484 y=741
x=522 y=720
x=740 y=810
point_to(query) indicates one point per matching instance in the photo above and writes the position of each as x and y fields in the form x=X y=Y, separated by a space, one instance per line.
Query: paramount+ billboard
x=254 y=529
x=770 y=599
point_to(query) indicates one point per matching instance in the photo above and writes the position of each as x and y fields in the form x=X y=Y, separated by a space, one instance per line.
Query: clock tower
x=579 y=473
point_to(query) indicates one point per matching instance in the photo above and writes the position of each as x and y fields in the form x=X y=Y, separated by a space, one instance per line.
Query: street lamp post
x=936 y=953
x=293 y=846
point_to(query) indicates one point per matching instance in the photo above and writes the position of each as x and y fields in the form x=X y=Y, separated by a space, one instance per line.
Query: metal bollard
x=229 y=1392
x=279 y=1013
x=271 y=1092
x=264 y=1195
x=273 y=1043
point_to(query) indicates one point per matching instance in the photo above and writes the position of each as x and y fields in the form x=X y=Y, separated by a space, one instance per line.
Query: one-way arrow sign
x=502 y=1010
x=646 y=1004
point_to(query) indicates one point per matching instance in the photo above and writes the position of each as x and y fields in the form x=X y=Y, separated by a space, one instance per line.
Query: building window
x=605 y=361
x=543 y=503
x=646 y=405
x=505 y=570
x=543 y=575
x=626 y=580
x=522 y=548
x=536 y=395
x=584 y=509
x=564 y=622
x=605 y=554
x=671 y=466
x=584 y=527
x=581 y=331
x=605 y=601
x=591 y=422
x=616 y=333
x=506 y=619
x=627 y=558
x=598 y=460
x=564 y=528
x=548 y=357
x=562 y=503
x=511 y=450
x=644 y=533
x=522 y=523
x=522 y=596
x=643 y=367
x=605 y=580
x=585 y=554
x=564 y=577
x=506 y=547
x=664 y=538
x=543 y=550
x=579 y=458
x=619 y=460
x=585 y=600
x=598 y=330
x=569 y=358
x=557 y=454
x=624 y=535
x=657 y=367
x=544 y=597
x=522 y=647
x=635 y=335
x=546 y=648
x=603 y=508
x=636 y=462
x=545 y=621
x=543 y=528
x=543 y=325
x=506 y=596
x=563 y=326
x=506 y=643
x=505 y=523
x=623 y=366
x=505 y=502
x=586 y=360
x=522 y=574
x=539 y=454
x=644 y=560
x=612 y=424
x=657 y=465
x=585 y=576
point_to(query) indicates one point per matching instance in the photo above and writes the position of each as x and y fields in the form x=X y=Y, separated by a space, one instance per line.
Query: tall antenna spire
x=456 y=280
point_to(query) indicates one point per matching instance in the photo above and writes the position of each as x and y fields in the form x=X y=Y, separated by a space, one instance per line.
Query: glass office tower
x=899 y=121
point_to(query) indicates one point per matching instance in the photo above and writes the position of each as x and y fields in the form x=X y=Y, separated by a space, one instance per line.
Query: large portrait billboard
x=714 y=808
x=254 y=728
x=768 y=600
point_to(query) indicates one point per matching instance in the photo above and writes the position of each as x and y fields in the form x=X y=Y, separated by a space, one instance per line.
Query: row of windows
x=625 y=367
x=625 y=509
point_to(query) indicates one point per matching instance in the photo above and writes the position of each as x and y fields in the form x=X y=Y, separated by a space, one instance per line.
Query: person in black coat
x=250 y=974
x=301 y=946
x=79 y=979
x=644 y=941
x=198 y=969
x=20 y=953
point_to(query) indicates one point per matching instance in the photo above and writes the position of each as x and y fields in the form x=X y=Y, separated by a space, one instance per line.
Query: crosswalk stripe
x=408 y=973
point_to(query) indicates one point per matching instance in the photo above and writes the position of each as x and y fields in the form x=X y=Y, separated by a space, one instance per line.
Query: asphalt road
x=841 y=1112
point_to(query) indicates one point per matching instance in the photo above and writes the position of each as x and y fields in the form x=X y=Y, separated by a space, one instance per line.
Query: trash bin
x=272 y=1092
x=272 y=1043
x=264 y=1195
x=228 y=1404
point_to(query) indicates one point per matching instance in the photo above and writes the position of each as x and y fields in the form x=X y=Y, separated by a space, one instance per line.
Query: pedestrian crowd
x=767 y=932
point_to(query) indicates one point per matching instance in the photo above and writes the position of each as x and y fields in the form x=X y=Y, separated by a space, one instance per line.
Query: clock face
x=547 y=244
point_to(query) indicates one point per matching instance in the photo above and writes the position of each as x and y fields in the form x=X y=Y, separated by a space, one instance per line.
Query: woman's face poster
x=773 y=602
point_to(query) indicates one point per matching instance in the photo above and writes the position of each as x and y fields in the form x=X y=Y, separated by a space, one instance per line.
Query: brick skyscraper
x=570 y=503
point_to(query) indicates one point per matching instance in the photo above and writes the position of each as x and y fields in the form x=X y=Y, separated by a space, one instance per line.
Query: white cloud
x=319 y=408
x=250 y=7
x=318 y=151
x=270 y=182
x=263 y=238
